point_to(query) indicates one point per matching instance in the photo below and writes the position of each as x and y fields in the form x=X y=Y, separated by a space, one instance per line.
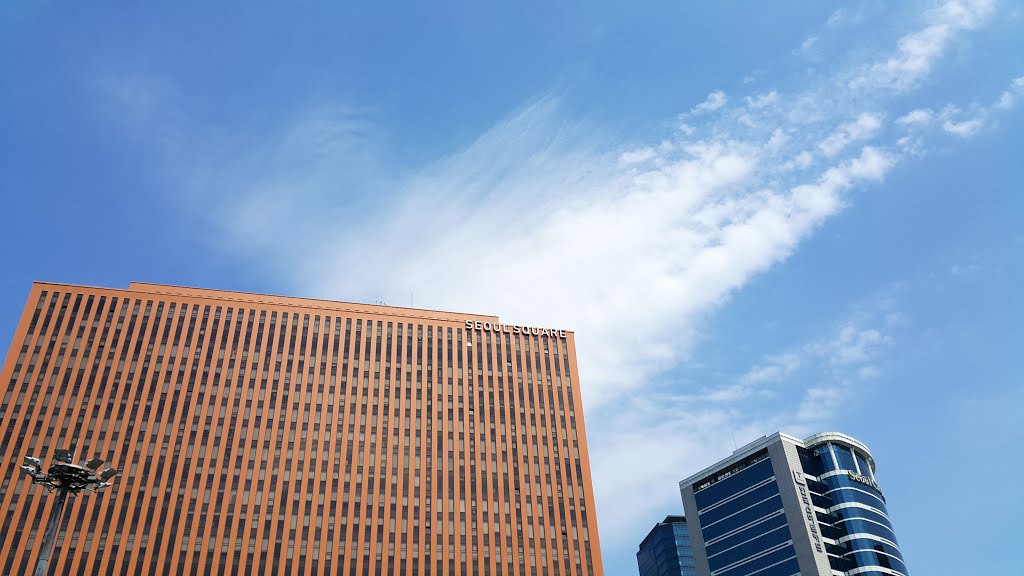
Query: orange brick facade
x=273 y=435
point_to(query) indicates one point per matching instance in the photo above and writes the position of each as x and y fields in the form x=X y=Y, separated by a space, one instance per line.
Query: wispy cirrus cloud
x=844 y=16
x=774 y=368
x=864 y=127
x=918 y=50
x=807 y=46
x=963 y=122
x=917 y=117
x=849 y=354
x=714 y=101
x=964 y=128
x=1010 y=96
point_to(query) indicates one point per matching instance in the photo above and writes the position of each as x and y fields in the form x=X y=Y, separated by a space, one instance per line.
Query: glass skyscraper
x=666 y=551
x=780 y=506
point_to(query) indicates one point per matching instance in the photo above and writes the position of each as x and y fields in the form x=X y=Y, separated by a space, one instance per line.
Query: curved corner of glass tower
x=856 y=521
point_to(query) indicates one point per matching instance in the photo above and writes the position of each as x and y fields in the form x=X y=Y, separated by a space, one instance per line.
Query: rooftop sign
x=513 y=329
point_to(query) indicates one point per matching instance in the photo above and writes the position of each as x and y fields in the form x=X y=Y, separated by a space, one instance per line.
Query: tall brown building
x=273 y=435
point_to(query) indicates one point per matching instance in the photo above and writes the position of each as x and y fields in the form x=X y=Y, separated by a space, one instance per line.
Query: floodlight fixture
x=66 y=478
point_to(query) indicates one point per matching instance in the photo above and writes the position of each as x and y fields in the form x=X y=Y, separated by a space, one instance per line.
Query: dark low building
x=666 y=550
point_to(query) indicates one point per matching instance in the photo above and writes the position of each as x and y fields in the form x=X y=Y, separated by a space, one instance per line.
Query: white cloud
x=851 y=355
x=774 y=369
x=919 y=50
x=820 y=403
x=912 y=146
x=637 y=156
x=1009 y=97
x=953 y=120
x=920 y=116
x=964 y=269
x=956 y=121
x=843 y=16
x=759 y=101
x=894 y=318
x=837 y=17
x=807 y=45
x=821 y=371
x=798 y=390
x=801 y=161
x=964 y=129
x=714 y=101
x=854 y=345
x=778 y=139
x=863 y=128
x=868 y=372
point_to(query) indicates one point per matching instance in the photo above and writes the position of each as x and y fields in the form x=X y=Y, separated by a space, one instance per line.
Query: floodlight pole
x=50 y=536
x=65 y=477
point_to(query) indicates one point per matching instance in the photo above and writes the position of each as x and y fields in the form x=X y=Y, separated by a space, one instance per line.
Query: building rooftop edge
x=668 y=520
x=737 y=454
x=275 y=299
x=184 y=291
x=751 y=447
x=840 y=438
x=822 y=437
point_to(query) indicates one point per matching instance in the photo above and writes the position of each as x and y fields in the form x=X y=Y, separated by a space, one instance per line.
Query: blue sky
x=756 y=216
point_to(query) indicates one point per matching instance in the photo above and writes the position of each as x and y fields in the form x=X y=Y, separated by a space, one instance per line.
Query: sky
x=795 y=216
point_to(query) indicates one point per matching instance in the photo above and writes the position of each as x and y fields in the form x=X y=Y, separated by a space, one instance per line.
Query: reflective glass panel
x=844 y=457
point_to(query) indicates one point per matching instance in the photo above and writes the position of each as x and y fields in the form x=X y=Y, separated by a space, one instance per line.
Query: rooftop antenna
x=734 y=445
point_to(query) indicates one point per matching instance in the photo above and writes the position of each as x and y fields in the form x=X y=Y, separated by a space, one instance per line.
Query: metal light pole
x=65 y=478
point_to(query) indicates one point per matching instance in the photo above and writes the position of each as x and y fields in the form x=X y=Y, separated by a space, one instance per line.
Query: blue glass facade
x=667 y=551
x=785 y=507
x=742 y=521
x=856 y=517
